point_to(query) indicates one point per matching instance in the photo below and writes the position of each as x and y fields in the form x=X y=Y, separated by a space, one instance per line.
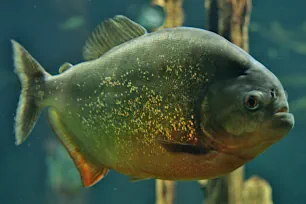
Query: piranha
x=176 y=104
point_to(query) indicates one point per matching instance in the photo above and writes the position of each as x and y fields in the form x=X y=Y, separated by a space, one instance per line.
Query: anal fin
x=91 y=171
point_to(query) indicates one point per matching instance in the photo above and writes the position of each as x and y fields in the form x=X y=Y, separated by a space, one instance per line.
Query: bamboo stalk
x=257 y=191
x=159 y=186
x=174 y=12
x=229 y=18
x=165 y=190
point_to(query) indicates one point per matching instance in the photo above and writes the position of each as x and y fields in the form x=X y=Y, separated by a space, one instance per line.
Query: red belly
x=177 y=166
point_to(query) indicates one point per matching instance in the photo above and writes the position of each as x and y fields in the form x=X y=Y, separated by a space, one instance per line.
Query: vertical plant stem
x=229 y=18
x=165 y=190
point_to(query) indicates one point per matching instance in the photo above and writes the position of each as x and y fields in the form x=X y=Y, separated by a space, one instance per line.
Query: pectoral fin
x=135 y=179
x=175 y=147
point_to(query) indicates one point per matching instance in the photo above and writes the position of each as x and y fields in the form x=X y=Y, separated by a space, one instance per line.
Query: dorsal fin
x=109 y=34
x=64 y=67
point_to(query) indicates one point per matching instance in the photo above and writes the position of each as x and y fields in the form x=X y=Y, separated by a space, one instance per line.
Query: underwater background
x=54 y=31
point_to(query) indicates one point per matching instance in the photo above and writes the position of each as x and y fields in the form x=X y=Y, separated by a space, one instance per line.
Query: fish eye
x=251 y=102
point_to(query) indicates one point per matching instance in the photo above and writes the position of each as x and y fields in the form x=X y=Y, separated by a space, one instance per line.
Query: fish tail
x=32 y=78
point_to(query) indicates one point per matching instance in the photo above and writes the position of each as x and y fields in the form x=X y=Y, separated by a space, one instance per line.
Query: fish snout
x=281 y=104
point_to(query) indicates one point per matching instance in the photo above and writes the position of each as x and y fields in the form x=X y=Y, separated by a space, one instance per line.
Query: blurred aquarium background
x=54 y=31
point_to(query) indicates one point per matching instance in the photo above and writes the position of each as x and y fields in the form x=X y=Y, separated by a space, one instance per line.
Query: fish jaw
x=282 y=119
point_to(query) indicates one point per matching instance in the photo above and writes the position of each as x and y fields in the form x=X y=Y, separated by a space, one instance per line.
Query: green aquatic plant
x=72 y=23
x=62 y=174
x=294 y=81
x=285 y=39
x=298 y=104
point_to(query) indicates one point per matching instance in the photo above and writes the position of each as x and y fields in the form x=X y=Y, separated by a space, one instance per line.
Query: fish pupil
x=252 y=102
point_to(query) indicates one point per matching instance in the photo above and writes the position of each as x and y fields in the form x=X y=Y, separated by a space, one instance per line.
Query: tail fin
x=32 y=77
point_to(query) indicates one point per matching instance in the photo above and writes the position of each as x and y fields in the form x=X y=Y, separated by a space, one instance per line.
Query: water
x=55 y=31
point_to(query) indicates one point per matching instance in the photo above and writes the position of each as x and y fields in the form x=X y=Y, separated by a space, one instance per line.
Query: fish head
x=248 y=112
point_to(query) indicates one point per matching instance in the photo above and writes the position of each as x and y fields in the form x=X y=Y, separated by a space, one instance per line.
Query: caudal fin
x=32 y=77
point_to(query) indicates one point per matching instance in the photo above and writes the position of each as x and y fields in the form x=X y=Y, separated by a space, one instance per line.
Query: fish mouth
x=284 y=109
x=283 y=119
